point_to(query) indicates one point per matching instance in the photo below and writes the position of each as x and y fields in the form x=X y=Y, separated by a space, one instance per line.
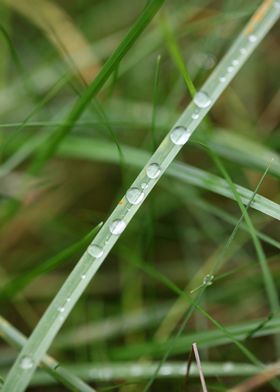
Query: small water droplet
x=83 y=276
x=153 y=170
x=208 y=280
x=222 y=79
x=235 y=62
x=61 y=309
x=202 y=100
x=252 y=38
x=68 y=299
x=117 y=226
x=26 y=363
x=228 y=367
x=195 y=114
x=144 y=185
x=230 y=68
x=95 y=250
x=166 y=370
x=243 y=50
x=180 y=135
x=134 y=195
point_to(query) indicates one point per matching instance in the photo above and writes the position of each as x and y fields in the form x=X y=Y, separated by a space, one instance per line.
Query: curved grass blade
x=12 y=336
x=49 y=325
x=77 y=147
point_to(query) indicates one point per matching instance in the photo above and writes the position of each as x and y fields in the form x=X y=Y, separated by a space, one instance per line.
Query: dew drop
x=243 y=50
x=95 y=250
x=68 y=299
x=26 y=363
x=228 y=367
x=235 y=62
x=153 y=170
x=61 y=309
x=230 y=68
x=252 y=38
x=208 y=280
x=134 y=195
x=117 y=226
x=222 y=79
x=144 y=185
x=166 y=370
x=83 y=276
x=195 y=114
x=202 y=100
x=180 y=135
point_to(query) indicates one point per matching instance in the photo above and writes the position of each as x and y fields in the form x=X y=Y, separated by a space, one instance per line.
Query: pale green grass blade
x=12 y=336
x=85 y=148
x=49 y=325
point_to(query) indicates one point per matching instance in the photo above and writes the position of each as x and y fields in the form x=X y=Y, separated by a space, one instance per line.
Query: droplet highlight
x=153 y=170
x=134 y=195
x=95 y=250
x=202 y=100
x=208 y=280
x=252 y=38
x=26 y=363
x=180 y=135
x=195 y=114
x=235 y=62
x=230 y=69
x=117 y=226
x=61 y=309
x=222 y=79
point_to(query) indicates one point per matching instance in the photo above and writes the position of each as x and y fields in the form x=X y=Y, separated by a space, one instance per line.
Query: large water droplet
x=26 y=363
x=202 y=100
x=180 y=135
x=208 y=280
x=117 y=226
x=134 y=195
x=153 y=170
x=252 y=38
x=95 y=250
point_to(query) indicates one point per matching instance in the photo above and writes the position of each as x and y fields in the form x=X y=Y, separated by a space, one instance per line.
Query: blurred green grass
x=172 y=230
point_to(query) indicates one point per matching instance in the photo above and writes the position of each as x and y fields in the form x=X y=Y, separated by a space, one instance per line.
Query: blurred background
x=50 y=52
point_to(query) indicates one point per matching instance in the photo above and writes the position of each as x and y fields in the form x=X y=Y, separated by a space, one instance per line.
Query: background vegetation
x=134 y=314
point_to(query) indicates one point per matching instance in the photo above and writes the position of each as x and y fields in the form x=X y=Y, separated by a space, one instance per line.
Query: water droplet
x=134 y=195
x=166 y=370
x=144 y=185
x=202 y=100
x=153 y=170
x=68 y=299
x=95 y=250
x=61 y=309
x=180 y=135
x=208 y=280
x=228 y=367
x=222 y=79
x=83 y=276
x=230 y=68
x=117 y=226
x=243 y=50
x=235 y=62
x=26 y=363
x=252 y=38
x=195 y=114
